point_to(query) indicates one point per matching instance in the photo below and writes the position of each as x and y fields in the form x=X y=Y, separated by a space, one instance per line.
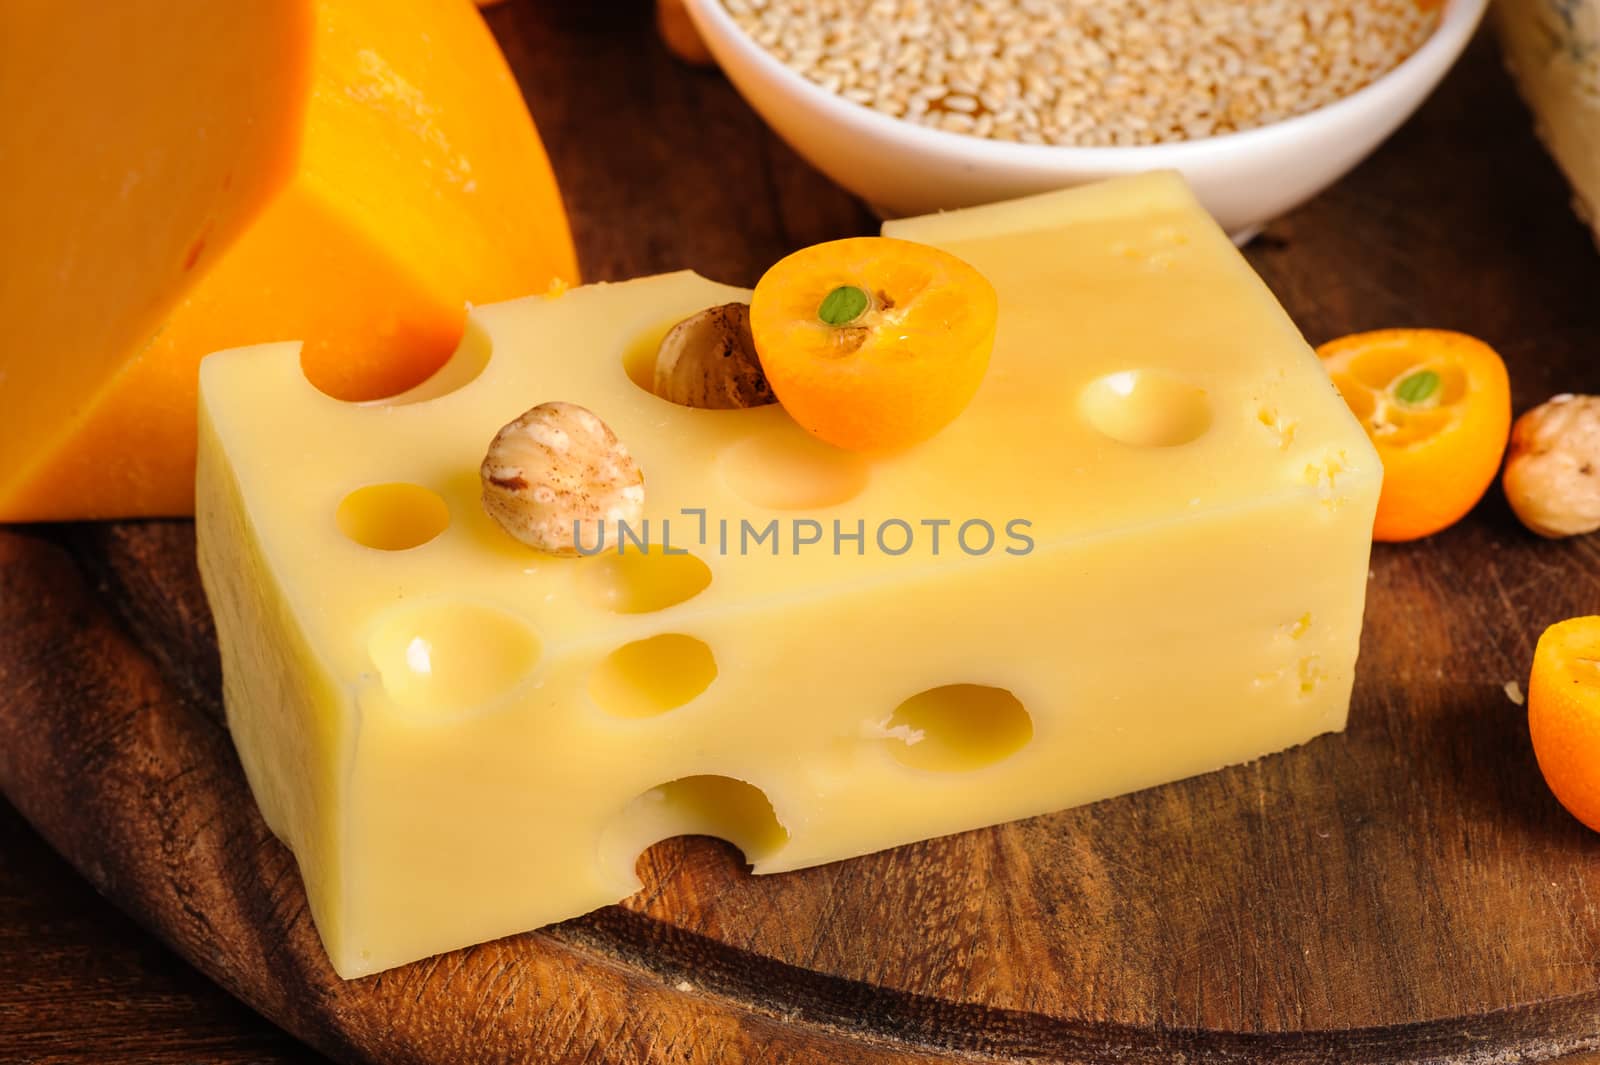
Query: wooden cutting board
x=1406 y=890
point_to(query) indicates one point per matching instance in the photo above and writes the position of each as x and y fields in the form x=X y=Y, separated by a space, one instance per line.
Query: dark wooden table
x=81 y=983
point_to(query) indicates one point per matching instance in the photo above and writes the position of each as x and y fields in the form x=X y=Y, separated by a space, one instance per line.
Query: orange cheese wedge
x=184 y=176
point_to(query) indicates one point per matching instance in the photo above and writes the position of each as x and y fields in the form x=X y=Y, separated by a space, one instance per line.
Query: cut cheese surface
x=1153 y=525
x=127 y=172
x=374 y=172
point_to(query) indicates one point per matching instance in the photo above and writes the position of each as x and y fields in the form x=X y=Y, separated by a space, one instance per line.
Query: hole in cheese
x=1311 y=674
x=783 y=467
x=639 y=360
x=958 y=727
x=1282 y=429
x=451 y=656
x=651 y=676
x=470 y=359
x=639 y=582
x=708 y=805
x=392 y=517
x=1146 y=408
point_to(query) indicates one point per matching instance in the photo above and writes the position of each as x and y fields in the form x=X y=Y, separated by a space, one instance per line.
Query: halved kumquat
x=1564 y=714
x=871 y=343
x=1437 y=406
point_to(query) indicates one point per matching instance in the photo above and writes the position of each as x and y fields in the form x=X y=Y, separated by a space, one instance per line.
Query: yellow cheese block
x=1140 y=554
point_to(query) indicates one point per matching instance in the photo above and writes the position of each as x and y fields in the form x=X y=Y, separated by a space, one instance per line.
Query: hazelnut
x=558 y=476
x=1552 y=477
x=709 y=360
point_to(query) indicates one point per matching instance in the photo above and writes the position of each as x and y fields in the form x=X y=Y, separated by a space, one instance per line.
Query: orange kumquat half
x=1437 y=406
x=872 y=343
x=1564 y=714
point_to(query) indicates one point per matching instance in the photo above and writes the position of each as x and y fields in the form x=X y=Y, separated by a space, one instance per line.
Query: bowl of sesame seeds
x=925 y=105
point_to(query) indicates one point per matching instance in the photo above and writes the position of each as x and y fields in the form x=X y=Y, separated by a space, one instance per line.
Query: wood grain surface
x=1405 y=891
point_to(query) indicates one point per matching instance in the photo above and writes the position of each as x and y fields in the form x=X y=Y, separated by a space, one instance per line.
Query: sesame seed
x=1089 y=72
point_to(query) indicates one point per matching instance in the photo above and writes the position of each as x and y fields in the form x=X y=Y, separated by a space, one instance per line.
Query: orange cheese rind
x=372 y=174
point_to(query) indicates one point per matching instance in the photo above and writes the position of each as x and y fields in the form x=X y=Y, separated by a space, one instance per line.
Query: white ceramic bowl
x=1244 y=179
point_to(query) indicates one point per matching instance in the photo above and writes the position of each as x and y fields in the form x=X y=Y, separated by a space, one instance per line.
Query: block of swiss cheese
x=184 y=175
x=1139 y=554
